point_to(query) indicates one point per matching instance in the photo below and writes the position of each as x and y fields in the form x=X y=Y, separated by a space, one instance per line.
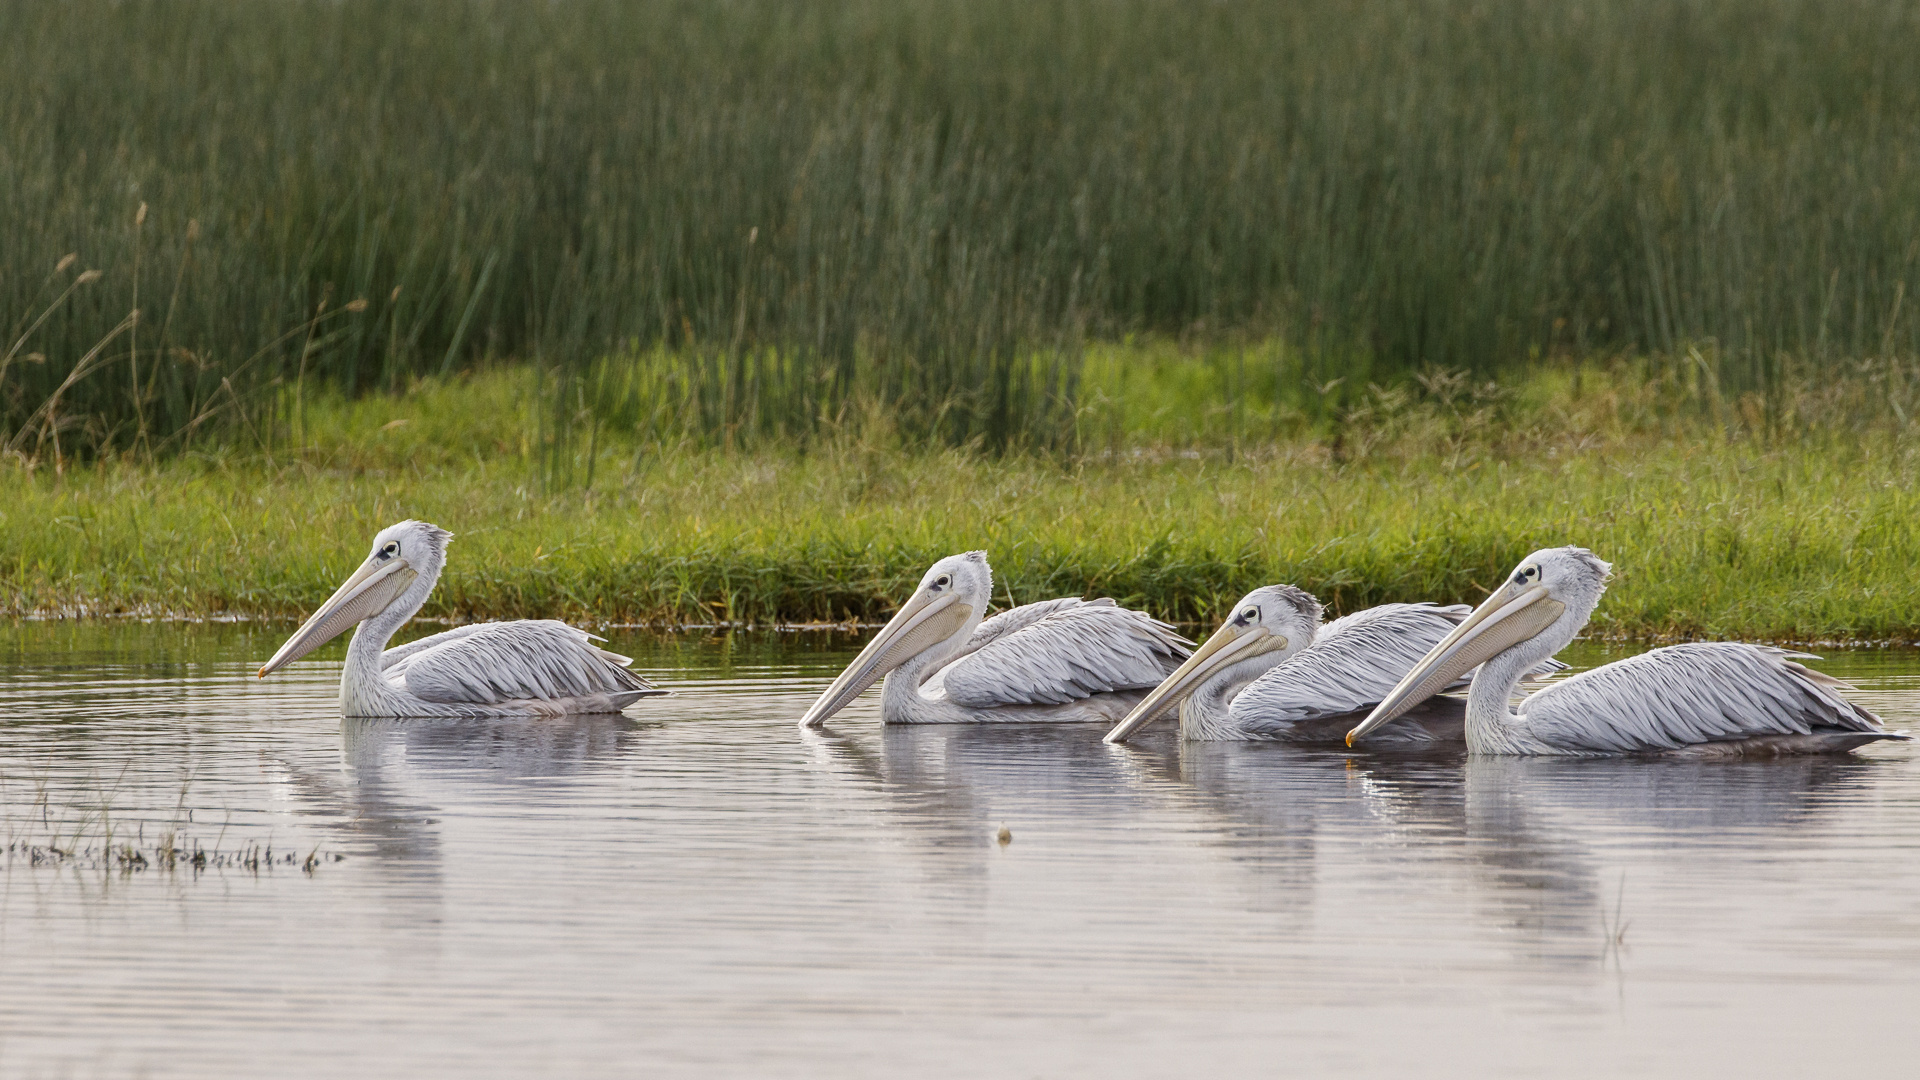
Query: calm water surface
x=700 y=889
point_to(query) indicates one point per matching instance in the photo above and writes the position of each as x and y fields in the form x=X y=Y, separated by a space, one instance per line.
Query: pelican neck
x=363 y=683
x=1207 y=713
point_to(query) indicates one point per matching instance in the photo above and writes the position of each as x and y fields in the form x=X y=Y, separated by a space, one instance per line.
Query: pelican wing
x=528 y=660
x=1352 y=665
x=1069 y=652
x=1016 y=619
x=400 y=652
x=1685 y=695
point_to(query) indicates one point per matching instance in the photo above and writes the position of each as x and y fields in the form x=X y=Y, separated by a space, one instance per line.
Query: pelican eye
x=944 y=581
x=392 y=549
x=1252 y=614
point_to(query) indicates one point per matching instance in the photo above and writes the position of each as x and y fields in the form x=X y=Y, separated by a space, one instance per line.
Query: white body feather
x=532 y=666
x=527 y=668
x=1350 y=666
x=1720 y=699
x=1704 y=698
x=1317 y=693
x=1056 y=661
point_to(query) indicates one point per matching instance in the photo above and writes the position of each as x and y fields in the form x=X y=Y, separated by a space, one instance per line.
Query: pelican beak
x=1229 y=644
x=1510 y=616
x=925 y=621
x=371 y=588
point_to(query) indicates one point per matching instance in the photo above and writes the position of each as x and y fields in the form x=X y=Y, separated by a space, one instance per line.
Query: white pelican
x=1707 y=699
x=1055 y=661
x=532 y=667
x=1272 y=671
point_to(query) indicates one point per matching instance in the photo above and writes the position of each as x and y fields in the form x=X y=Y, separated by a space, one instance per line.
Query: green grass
x=1714 y=529
x=747 y=221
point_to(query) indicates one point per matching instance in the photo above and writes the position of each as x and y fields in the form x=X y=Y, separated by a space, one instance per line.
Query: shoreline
x=1190 y=628
x=1712 y=535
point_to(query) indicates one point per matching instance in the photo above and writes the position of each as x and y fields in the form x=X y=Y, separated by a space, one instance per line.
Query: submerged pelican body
x=1056 y=661
x=1274 y=672
x=531 y=667
x=1706 y=699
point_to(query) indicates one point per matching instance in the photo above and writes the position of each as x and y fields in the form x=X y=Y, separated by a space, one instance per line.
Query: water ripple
x=699 y=887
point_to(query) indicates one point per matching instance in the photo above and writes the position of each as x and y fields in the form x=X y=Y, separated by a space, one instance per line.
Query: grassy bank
x=806 y=205
x=1714 y=529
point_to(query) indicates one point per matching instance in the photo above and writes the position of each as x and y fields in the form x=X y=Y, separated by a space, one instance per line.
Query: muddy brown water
x=699 y=889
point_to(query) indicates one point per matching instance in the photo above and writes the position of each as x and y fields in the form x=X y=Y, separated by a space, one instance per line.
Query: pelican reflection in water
x=1706 y=699
x=1055 y=661
x=530 y=667
x=1272 y=671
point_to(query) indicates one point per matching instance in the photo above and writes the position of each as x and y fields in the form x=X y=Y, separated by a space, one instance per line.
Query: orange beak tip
x=1349 y=738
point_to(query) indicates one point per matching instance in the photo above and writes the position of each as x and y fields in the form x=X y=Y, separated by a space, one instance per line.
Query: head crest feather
x=1307 y=604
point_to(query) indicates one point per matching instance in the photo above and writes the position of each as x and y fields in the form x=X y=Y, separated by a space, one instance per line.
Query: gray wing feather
x=1070 y=651
x=528 y=660
x=1017 y=619
x=1353 y=663
x=1685 y=695
x=400 y=652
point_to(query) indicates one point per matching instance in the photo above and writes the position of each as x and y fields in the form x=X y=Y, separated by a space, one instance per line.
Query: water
x=700 y=889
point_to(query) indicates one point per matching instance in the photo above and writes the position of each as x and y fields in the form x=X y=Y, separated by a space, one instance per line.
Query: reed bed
x=749 y=222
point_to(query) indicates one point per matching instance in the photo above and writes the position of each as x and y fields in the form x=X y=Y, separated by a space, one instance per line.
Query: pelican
x=1706 y=699
x=1055 y=661
x=1272 y=671
x=532 y=667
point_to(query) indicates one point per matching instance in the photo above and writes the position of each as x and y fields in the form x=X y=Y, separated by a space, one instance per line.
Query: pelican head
x=949 y=602
x=1268 y=625
x=401 y=568
x=1534 y=613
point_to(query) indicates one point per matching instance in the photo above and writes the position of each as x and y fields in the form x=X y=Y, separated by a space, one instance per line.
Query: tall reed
x=745 y=218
